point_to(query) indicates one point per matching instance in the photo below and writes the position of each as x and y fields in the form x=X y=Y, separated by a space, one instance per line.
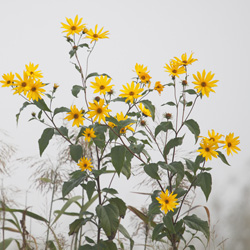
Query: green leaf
x=191 y=247
x=167 y=219
x=120 y=205
x=99 y=140
x=65 y=207
x=72 y=52
x=196 y=223
x=123 y=230
x=90 y=188
x=193 y=166
x=45 y=138
x=76 y=89
x=42 y=105
x=89 y=240
x=84 y=45
x=190 y=91
x=50 y=244
x=76 y=152
x=76 y=179
x=171 y=144
x=63 y=130
x=92 y=74
x=148 y=104
x=109 y=190
x=4 y=244
x=204 y=180
x=151 y=170
x=171 y=104
x=163 y=126
x=117 y=157
x=25 y=104
x=193 y=127
x=157 y=231
x=61 y=110
x=75 y=226
x=222 y=157
x=108 y=216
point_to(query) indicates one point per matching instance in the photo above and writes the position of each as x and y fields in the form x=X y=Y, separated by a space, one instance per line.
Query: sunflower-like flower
x=35 y=90
x=215 y=137
x=145 y=78
x=131 y=92
x=73 y=27
x=158 y=87
x=174 y=68
x=22 y=84
x=89 y=133
x=144 y=110
x=101 y=85
x=95 y=36
x=204 y=82
x=85 y=164
x=184 y=60
x=167 y=201
x=121 y=117
x=76 y=115
x=31 y=71
x=140 y=68
x=98 y=110
x=231 y=143
x=208 y=148
x=8 y=79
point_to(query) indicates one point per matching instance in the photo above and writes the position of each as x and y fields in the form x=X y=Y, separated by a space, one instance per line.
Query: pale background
x=150 y=33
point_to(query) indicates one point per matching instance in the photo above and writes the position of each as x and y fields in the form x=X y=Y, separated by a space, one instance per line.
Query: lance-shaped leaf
x=123 y=230
x=163 y=126
x=148 y=104
x=117 y=157
x=193 y=166
x=5 y=243
x=193 y=127
x=84 y=45
x=120 y=205
x=61 y=110
x=167 y=219
x=171 y=144
x=190 y=91
x=196 y=223
x=204 y=180
x=76 y=152
x=42 y=105
x=25 y=104
x=45 y=138
x=76 y=89
x=158 y=229
x=152 y=169
x=222 y=157
x=92 y=74
x=108 y=216
x=76 y=225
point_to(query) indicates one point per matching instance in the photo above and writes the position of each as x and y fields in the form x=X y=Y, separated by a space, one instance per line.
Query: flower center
x=33 y=89
x=8 y=82
x=207 y=149
x=76 y=116
x=99 y=110
x=88 y=134
x=166 y=201
x=123 y=130
x=102 y=87
x=31 y=72
x=229 y=144
x=174 y=71
x=73 y=27
x=143 y=77
x=85 y=165
x=184 y=61
x=24 y=84
x=131 y=93
x=95 y=36
x=203 y=84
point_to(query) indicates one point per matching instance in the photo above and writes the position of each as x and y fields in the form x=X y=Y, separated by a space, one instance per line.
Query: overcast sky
x=145 y=32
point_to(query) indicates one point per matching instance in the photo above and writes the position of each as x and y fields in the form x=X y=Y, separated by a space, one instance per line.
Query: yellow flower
x=144 y=110
x=214 y=137
x=97 y=35
x=73 y=27
x=85 y=164
x=168 y=202
x=22 y=84
x=131 y=92
x=145 y=78
x=8 y=79
x=184 y=60
x=139 y=68
x=121 y=117
x=231 y=143
x=32 y=71
x=208 y=148
x=98 y=110
x=76 y=115
x=35 y=90
x=111 y=124
x=159 y=87
x=174 y=68
x=204 y=82
x=89 y=133
x=101 y=85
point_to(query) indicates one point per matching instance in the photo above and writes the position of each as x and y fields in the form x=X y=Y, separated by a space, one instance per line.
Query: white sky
x=145 y=32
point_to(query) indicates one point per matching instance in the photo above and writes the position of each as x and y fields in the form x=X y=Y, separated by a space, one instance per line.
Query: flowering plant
x=119 y=141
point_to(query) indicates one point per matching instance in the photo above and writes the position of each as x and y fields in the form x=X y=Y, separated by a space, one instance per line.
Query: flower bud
x=97 y=98
x=184 y=83
x=168 y=116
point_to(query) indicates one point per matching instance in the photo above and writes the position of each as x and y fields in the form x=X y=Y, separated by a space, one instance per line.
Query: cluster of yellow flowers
x=29 y=85
x=210 y=144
